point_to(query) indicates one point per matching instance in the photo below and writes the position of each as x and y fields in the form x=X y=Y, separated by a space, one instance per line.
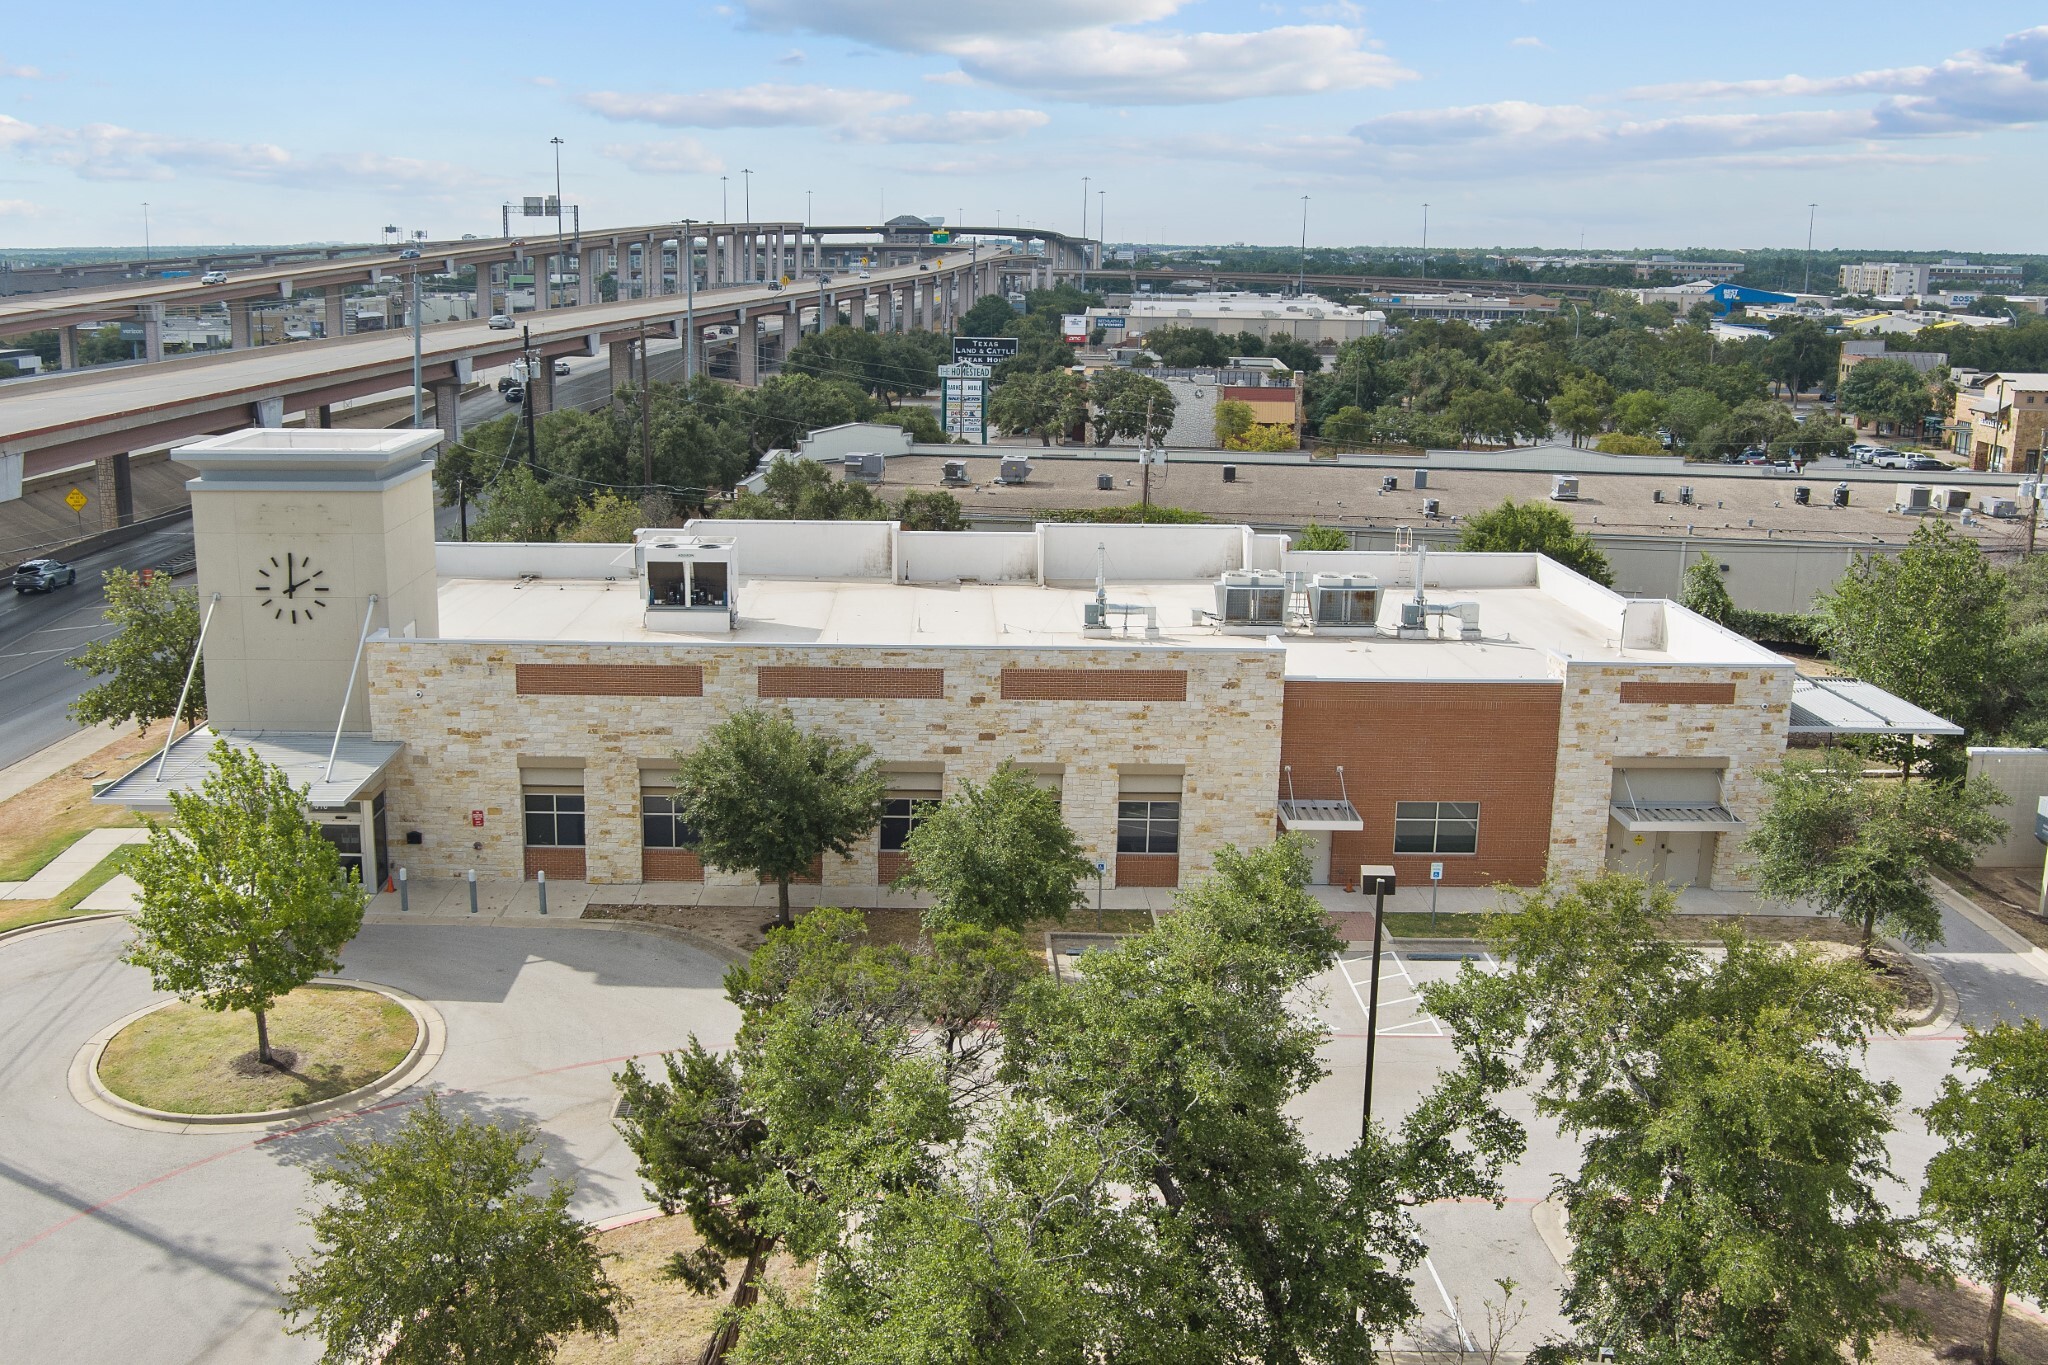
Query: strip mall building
x=518 y=708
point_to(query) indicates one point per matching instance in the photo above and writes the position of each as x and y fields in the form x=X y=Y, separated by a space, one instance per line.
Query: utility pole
x=1806 y=284
x=1101 y=232
x=1301 y=271
x=1425 y=241
x=1084 y=208
x=462 y=502
x=747 y=195
x=559 y=234
x=686 y=262
x=646 y=419
x=1145 y=470
x=526 y=393
x=724 y=209
x=416 y=349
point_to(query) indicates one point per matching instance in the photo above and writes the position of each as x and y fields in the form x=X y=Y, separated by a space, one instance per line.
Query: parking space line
x=1464 y=1341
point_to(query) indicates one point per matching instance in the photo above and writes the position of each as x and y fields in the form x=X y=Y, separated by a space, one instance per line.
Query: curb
x=25 y=930
x=1549 y=1217
x=430 y=1042
x=1941 y=1015
x=2035 y=959
x=722 y=951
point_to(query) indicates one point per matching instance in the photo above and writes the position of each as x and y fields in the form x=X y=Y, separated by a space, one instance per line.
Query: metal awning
x=1320 y=815
x=1846 y=706
x=1679 y=817
x=359 y=765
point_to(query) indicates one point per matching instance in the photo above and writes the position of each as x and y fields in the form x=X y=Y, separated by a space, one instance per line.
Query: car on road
x=775 y=286
x=43 y=575
x=411 y=253
x=214 y=277
x=515 y=393
x=924 y=265
x=865 y=275
x=500 y=323
x=505 y=381
x=1892 y=459
x=561 y=367
x=1926 y=464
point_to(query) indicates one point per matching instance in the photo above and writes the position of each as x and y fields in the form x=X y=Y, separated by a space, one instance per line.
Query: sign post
x=983 y=350
x=1436 y=877
x=963 y=400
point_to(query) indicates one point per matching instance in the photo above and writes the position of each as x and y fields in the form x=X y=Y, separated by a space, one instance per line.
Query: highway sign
x=983 y=350
x=76 y=500
x=966 y=371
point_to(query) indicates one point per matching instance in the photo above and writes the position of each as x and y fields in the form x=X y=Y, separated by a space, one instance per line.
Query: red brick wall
x=889 y=866
x=810 y=878
x=1148 y=869
x=670 y=865
x=609 y=680
x=561 y=864
x=1494 y=743
x=789 y=680
x=1096 y=684
x=1678 y=694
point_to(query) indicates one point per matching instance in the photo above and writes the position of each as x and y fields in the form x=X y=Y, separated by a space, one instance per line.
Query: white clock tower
x=297 y=531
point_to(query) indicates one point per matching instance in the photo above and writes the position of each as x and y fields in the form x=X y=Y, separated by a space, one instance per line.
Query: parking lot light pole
x=1381 y=881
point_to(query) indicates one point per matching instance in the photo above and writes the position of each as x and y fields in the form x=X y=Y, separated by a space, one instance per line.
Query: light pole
x=145 y=229
x=416 y=391
x=686 y=263
x=747 y=193
x=559 y=235
x=1101 y=232
x=808 y=219
x=1084 y=208
x=1806 y=282
x=1382 y=879
x=1301 y=270
x=724 y=209
x=1425 y=241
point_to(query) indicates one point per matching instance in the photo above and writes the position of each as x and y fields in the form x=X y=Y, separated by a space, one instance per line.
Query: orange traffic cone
x=390 y=882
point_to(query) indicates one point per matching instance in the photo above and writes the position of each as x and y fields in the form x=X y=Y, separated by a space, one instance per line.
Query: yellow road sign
x=75 y=500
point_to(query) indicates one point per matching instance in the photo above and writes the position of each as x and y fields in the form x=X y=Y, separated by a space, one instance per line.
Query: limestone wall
x=466 y=730
x=1598 y=730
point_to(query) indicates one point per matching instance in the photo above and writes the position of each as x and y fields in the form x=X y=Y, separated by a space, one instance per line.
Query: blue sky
x=1519 y=122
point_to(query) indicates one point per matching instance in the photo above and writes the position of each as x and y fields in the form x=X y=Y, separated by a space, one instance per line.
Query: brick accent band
x=609 y=680
x=1678 y=694
x=561 y=864
x=1097 y=684
x=889 y=866
x=1148 y=869
x=670 y=865
x=799 y=680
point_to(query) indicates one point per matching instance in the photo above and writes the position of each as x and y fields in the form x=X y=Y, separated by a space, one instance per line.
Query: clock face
x=290 y=586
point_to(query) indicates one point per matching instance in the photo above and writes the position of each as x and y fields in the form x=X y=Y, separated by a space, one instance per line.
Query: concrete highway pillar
x=151 y=316
x=331 y=323
x=325 y=416
x=589 y=265
x=483 y=291
x=238 y=324
x=67 y=348
x=748 y=344
x=623 y=375
x=116 y=490
x=650 y=268
x=448 y=408
x=543 y=282
x=540 y=386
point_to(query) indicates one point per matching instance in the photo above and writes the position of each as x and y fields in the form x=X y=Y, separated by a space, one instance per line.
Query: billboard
x=983 y=350
x=1074 y=326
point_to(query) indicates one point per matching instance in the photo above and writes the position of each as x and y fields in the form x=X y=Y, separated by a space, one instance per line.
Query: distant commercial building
x=1854 y=353
x=1912 y=279
x=1998 y=420
x=1310 y=320
x=1644 y=267
x=1479 y=310
x=1268 y=387
x=22 y=359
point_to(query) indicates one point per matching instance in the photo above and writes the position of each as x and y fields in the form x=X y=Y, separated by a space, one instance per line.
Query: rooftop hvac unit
x=2004 y=508
x=1230 y=473
x=1105 y=483
x=866 y=466
x=1422 y=478
x=1685 y=494
x=1388 y=483
x=1344 y=600
x=1014 y=471
x=1913 y=497
x=1950 y=499
x=955 y=473
x=1840 y=497
x=1802 y=495
x=1252 y=597
x=1565 y=488
x=1431 y=507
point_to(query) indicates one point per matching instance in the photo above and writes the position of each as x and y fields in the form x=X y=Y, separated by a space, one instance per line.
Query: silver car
x=43 y=575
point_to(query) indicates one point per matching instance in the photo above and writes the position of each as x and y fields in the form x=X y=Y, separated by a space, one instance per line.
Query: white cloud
x=960 y=126
x=953 y=77
x=22 y=208
x=756 y=106
x=20 y=73
x=675 y=156
x=1111 y=66
x=1537 y=43
x=796 y=56
x=933 y=25
x=107 y=151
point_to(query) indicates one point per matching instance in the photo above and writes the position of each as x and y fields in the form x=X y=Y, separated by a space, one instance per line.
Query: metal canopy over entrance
x=1318 y=813
x=1659 y=817
x=1848 y=706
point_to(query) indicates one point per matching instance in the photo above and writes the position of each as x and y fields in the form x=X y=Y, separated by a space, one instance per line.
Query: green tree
x=797 y=489
x=922 y=424
x=1689 y=412
x=1495 y=415
x=1724 y=1204
x=1892 y=391
x=1266 y=436
x=1181 y=348
x=1233 y=420
x=241 y=898
x=517 y=507
x=1862 y=850
x=1706 y=592
x=1800 y=353
x=1130 y=406
x=433 y=1249
x=1314 y=537
x=998 y=855
x=1929 y=624
x=987 y=317
x=767 y=796
x=1987 y=1190
x=1535 y=528
x=1621 y=443
x=1044 y=404
x=607 y=519
x=930 y=510
x=1581 y=406
x=1639 y=413
x=144 y=662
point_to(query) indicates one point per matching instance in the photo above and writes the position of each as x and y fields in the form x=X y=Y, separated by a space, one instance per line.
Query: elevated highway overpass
x=101 y=416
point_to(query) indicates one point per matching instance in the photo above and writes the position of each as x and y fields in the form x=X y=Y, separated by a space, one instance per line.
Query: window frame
x=1443 y=816
x=554 y=814
x=1150 y=826
x=898 y=825
x=680 y=835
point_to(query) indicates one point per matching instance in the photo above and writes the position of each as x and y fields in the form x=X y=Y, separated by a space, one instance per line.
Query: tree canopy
x=1882 y=390
x=1535 y=528
x=998 y=855
x=143 y=664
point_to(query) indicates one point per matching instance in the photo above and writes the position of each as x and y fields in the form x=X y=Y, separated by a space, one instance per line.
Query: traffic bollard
x=404 y=893
x=542 y=877
x=472 y=891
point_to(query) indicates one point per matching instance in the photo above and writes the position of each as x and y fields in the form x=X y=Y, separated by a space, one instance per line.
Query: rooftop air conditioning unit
x=866 y=466
x=1840 y=497
x=2003 y=508
x=1014 y=471
x=1105 y=483
x=1564 y=488
x=1344 y=600
x=1431 y=507
x=955 y=473
x=1252 y=597
x=1914 y=498
x=1389 y=482
x=1685 y=494
x=1951 y=499
x=1802 y=495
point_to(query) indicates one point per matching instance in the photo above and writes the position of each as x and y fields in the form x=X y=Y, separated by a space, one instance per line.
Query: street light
x=1806 y=282
x=1381 y=882
x=1301 y=272
x=724 y=209
x=145 y=229
x=747 y=193
x=1425 y=241
x=686 y=266
x=559 y=234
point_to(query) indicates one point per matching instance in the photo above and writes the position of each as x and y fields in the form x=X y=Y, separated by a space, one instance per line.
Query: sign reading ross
x=75 y=500
x=983 y=350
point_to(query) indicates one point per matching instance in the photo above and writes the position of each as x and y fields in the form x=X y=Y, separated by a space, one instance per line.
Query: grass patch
x=666 y=1321
x=20 y=914
x=41 y=822
x=1449 y=924
x=189 y=1060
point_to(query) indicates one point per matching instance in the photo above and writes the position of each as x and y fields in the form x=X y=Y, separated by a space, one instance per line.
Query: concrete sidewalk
x=60 y=872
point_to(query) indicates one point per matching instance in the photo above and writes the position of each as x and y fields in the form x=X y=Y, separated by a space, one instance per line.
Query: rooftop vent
x=1344 y=600
x=955 y=473
x=866 y=466
x=1802 y=495
x=1840 y=497
x=1252 y=597
x=1014 y=471
x=1913 y=497
x=1565 y=488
